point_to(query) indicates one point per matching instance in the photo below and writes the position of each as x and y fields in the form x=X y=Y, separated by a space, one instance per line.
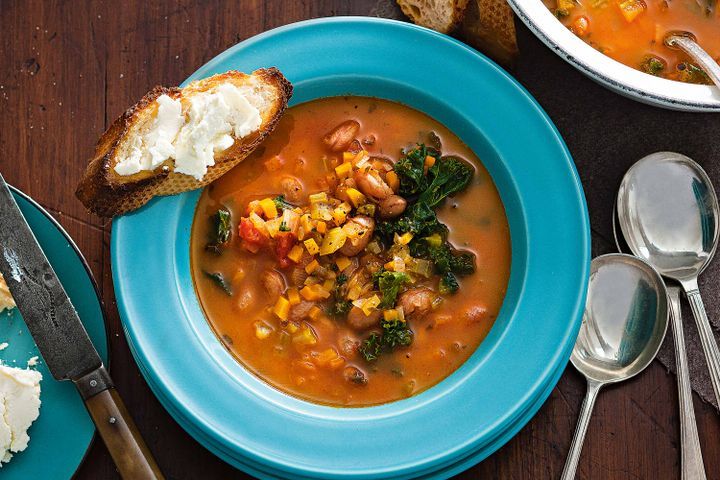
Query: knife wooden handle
x=122 y=438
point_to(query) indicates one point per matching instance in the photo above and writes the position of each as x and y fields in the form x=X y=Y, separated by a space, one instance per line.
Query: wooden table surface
x=68 y=68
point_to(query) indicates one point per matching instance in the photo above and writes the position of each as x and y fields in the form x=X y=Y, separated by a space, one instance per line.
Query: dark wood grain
x=67 y=68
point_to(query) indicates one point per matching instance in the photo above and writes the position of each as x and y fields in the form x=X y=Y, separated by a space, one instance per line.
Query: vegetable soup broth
x=635 y=37
x=245 y=322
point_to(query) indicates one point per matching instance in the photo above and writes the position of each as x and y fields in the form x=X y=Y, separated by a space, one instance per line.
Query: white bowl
x=611 y=73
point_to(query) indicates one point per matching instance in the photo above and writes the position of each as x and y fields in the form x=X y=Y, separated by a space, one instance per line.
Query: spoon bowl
x=668 y=214
x=625 y=319
x=624 y=325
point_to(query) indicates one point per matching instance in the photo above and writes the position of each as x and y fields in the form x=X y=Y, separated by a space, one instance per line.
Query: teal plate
x=62 y=434
x=477 y=408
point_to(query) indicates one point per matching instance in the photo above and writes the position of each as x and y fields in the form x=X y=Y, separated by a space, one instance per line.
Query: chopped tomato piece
x=284 y=242
x=252 y=238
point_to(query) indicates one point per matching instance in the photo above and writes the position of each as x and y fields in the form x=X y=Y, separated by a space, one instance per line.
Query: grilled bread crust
x=106 y=193
x=440 y=15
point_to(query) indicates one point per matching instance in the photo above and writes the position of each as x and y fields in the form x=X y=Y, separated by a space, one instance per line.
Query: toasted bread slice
x=440 y=15
x=489 y=26
x=107 y=193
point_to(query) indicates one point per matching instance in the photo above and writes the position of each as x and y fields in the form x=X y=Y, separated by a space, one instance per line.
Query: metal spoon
x=668 y=213
x=686 y=42
x=691 y=461
x=624 y=324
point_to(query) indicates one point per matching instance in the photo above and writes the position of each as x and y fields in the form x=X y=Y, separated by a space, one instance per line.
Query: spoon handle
x=691 y=461
x=571 y=463
x=707 y=339
x=696 y=52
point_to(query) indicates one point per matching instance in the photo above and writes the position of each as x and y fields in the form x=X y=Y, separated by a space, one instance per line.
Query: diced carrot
x=356 y=197
x=312 y=266
x=630 y=9
x=321 y=227
x=282 y=308
x=268 y=208
x=344 y=170
x=293 y=296
x=315 y=312
x=314 y=292
x=342 y=263
x=429 y=162
x=295 y=253
x=391 y=178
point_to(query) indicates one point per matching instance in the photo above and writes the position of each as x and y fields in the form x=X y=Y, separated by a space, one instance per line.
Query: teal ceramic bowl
x=477 y=408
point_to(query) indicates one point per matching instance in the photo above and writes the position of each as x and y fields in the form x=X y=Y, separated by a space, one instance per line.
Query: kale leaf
x=371 y=347
x=418 y=219
x=389 y=284
x=396 y=333
x=219 y=280
x=448 y=261
x=220 y=232
x=339 y=306
x=448 y=283
x=410 y=169
x=449 y=175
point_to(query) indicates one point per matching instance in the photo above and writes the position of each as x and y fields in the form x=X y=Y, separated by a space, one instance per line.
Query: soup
x=633 y=31
x=358 y=257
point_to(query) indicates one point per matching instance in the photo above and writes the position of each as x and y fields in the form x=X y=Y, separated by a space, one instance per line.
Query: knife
x=63 y=341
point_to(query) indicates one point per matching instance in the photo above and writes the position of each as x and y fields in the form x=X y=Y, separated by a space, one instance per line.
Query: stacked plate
x=479 y=407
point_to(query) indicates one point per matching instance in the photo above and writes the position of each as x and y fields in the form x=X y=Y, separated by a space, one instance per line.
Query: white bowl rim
x=619 y=77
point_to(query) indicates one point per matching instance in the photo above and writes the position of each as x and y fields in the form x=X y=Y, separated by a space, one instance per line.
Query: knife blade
x=41 y=298
x=63 y=341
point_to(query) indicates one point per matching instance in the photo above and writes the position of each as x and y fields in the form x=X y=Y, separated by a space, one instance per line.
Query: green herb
x=220 y=232
x=389 y=284
x=449 y=175
x=691 y=73
x=652 y=65
x=281 y=204
x=339 y=308
x=219 y=280
x=283 y=227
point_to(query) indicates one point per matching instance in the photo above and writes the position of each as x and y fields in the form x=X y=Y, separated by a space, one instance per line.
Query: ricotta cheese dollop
x=211 y=123
x=19 y=408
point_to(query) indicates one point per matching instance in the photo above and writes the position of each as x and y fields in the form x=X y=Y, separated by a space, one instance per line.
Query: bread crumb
x=4 y=345
x=32 y=362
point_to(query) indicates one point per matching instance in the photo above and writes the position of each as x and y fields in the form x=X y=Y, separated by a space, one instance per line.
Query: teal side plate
x=62 y=434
